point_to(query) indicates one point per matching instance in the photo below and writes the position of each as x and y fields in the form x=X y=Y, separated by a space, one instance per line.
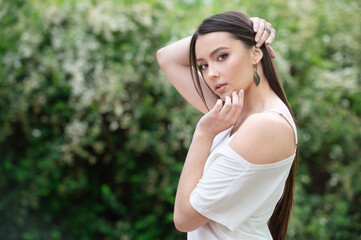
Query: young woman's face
x=226 y=64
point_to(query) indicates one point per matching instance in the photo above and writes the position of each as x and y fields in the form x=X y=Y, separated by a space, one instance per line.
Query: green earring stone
x=256 y=78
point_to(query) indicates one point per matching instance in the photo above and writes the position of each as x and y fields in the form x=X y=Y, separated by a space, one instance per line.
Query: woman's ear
x=257 y=55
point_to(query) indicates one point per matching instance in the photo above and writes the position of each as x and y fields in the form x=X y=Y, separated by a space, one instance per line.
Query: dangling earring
x=256 y=77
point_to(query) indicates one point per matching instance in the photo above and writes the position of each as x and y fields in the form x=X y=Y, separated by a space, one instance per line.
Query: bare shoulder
x=264 y=138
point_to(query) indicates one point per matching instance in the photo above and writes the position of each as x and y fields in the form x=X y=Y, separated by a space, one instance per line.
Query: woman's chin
x=223 y=96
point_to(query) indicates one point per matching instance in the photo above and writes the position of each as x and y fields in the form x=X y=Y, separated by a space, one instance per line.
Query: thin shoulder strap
x=289 y=119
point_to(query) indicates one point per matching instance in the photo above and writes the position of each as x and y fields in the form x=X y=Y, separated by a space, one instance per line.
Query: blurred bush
x=90 y=132
x=93 y=137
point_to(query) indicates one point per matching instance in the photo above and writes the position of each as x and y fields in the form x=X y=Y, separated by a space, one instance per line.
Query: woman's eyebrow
x=212 y=53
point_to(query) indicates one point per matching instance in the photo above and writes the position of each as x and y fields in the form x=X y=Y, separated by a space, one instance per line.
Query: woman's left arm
x=220 y=118
x=186 y=218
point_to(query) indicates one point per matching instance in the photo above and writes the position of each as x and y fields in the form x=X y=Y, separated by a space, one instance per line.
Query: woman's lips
x=220 y=87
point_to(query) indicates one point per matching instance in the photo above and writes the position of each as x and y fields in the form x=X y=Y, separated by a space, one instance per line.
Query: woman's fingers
x=271 y=52
x=258 y=27
x=222 y=115
x=237 y=104
x=271 y=36
x=260 y=32
x=226 y=106
x=255 y=21
x=232 y=108
x=217 y=107
x=240 y=100
x=265 y=35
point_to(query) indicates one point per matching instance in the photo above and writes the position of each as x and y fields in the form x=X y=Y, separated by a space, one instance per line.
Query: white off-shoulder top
x=239 y=197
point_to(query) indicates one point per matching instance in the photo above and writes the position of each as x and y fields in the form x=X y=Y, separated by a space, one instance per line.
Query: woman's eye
x=202 y=66
x=222 y=57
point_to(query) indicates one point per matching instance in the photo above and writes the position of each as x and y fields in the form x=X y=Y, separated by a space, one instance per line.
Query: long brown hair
x=241 y=27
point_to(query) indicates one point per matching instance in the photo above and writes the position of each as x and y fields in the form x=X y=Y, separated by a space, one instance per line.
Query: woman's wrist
x=203 y=134
x=176 y=52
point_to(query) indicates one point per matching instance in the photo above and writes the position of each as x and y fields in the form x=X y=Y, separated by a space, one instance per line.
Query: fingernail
x=241 y=91
x=257 y=39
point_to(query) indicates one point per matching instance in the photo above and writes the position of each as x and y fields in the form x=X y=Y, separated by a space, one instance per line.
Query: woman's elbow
x=184 y=223
x=180 y=223
x=160 y=56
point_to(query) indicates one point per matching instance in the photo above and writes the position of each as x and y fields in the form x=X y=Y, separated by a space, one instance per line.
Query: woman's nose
x=213 y=72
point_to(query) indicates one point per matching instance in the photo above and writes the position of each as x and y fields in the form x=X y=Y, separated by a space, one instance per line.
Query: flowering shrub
x=89 y=130
x=93 y=137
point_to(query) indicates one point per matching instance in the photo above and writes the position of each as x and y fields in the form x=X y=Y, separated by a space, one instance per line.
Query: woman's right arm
x=174 y=61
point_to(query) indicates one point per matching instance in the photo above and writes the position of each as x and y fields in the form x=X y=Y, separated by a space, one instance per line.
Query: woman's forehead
x=207 y=43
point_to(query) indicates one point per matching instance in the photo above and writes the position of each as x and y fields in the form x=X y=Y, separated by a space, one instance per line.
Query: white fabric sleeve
x=232 y=189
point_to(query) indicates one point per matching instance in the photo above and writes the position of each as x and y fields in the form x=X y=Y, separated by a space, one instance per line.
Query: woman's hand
x=221 y=117
x=263 y=35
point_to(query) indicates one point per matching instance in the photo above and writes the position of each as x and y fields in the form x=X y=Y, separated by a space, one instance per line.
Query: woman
x=237 y=179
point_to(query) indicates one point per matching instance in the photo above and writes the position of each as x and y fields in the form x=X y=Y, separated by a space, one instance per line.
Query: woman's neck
x=258 y=98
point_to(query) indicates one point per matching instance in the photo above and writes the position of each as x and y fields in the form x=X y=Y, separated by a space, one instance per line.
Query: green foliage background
x=93 y=137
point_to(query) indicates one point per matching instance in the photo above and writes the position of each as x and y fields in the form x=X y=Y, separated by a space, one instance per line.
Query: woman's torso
x=254 y=224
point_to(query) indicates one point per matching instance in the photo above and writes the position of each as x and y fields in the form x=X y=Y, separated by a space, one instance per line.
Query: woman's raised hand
x=264 y=33
x=222 y=116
